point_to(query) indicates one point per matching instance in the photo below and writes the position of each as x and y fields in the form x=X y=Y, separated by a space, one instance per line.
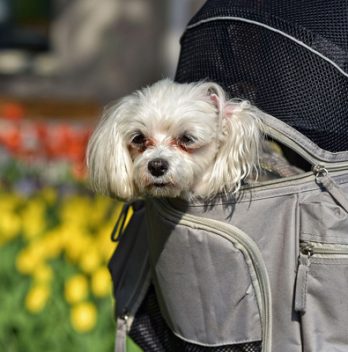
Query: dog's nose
x=158 y=167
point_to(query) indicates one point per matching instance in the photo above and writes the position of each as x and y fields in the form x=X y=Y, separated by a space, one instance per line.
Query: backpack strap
x=129 y=268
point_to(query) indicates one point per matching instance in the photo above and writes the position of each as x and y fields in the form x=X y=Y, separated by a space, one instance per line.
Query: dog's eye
x=186 y=139
x=138 y=139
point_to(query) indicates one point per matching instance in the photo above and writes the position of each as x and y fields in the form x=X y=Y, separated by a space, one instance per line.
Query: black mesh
x=150 y=332
x=282 y=77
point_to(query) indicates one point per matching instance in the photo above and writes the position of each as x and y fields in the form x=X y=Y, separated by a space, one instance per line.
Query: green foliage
x=55 y=290
x=48 y=330
x=46 y=240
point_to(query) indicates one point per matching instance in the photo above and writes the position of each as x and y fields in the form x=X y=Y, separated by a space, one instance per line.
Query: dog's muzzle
x=158 y=167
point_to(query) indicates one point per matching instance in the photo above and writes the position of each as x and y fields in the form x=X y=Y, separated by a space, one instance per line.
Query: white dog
x=174 y=140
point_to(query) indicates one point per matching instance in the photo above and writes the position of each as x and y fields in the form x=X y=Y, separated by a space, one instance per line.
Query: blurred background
x=61 y=61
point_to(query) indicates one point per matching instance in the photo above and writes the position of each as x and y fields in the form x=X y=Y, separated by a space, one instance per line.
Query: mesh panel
x=282 y=77
x=150 y=332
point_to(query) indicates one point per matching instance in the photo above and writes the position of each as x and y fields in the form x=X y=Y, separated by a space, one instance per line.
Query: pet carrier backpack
x=266 y=270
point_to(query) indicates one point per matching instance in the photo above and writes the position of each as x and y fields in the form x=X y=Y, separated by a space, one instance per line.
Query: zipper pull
x=302 y=277
x=121 y=333
x=323 y=179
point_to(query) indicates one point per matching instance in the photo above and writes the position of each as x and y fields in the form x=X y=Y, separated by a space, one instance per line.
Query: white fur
x=226 y=136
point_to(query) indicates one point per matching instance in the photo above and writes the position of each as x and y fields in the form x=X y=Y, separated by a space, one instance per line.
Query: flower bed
x=56 y=289
x=43 y=141
x=54 y=243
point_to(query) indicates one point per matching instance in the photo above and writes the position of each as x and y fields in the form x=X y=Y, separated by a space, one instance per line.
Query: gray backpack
x=268 y=270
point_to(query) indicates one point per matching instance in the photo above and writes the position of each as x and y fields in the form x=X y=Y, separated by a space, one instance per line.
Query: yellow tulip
x=101 y=206
x=36 y=298
x=83 y=317
x=33 y=217
x=90 y=260
x=76 y=289
x=75 y=210
x=51 y=244
x=77 y=244
x=10 y=226
x=10 y=201
x=101 y=282
x=27 y=261
x=43 y=273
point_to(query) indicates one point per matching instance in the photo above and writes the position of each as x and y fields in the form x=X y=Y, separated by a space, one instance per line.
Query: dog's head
x=174 y=140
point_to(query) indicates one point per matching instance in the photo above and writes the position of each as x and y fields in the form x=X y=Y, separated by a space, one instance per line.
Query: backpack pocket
x=322 y=277
x=210 y=281
x=321 y=296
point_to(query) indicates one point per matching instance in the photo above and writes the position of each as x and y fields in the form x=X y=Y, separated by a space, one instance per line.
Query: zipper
x=333 y=251
x=301 y=178
x=249 y=249
x=320 y=173
x=304 y=153
x=323 y=179
x=309 y=251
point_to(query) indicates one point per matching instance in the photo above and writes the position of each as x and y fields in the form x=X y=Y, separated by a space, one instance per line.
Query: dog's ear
x=240 y=140
x=109 y=164
x=216 y=95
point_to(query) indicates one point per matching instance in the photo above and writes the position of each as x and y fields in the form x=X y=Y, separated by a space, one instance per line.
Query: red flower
x=12 y=111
